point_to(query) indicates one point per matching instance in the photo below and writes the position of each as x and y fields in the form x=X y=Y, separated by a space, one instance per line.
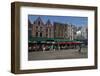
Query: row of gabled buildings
x=51 y=30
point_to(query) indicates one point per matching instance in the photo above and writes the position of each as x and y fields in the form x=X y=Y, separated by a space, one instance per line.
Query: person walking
x=79 y=48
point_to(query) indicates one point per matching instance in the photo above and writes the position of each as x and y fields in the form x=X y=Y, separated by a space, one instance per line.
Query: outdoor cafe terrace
x=42 y=40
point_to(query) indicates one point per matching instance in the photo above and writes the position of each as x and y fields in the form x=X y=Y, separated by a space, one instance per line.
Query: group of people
x=45 y=47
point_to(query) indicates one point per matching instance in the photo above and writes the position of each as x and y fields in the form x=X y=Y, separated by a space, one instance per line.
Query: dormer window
x=34 y=22
x=38 y=22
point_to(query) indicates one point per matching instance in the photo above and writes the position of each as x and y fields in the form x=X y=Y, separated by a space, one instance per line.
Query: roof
x=39 y=20
x=48 y=22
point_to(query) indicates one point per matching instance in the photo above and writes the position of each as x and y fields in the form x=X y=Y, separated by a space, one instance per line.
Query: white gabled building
x=82 y=33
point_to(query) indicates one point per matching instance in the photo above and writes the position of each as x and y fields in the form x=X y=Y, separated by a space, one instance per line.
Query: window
x=36 y=27
x=46 y=35
x=46 y=30
x=38 y=22
x=40 y=28
x=36 y=34
x=50 y=30
x=40 y=34
x=34 y=22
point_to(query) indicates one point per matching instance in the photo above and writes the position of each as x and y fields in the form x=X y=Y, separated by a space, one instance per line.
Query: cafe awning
x=52 y=40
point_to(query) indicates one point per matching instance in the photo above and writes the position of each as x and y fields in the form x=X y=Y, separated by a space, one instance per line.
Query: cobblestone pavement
x=58 y=54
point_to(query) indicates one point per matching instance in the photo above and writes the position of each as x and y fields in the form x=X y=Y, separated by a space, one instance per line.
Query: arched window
x=36 y=34
x=40 y=34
